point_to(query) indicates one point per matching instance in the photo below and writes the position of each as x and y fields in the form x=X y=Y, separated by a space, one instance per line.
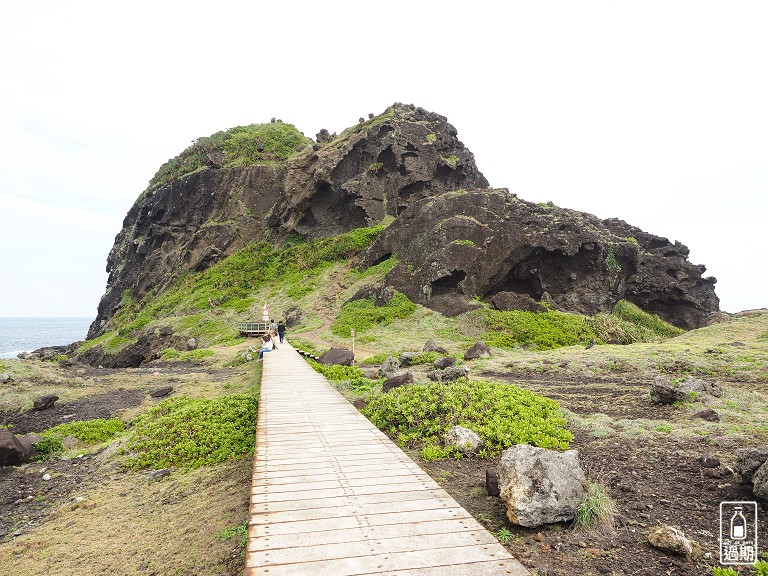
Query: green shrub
x=431 y=452
x=189 y=356
x=716 y=571
x=377 y=358
x=242 y=145
x=760 y=568
x=306 y=346
x=363 y=314
x=631 y=313
x=93 y=431
x=423 y=358
x=190 y=433
x=48 y=448
x=540 y=330
x=502 y=414
x=336 y=372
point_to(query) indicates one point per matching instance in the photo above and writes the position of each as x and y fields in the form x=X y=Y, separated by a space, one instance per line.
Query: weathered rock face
x=489 y=243
x=455 y=238
x=666 y=390
x=355 y=180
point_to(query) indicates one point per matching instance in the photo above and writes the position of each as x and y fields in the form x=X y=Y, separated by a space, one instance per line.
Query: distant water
x=27 y=334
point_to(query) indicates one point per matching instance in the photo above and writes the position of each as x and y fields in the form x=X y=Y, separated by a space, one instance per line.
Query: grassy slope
x=318 y=281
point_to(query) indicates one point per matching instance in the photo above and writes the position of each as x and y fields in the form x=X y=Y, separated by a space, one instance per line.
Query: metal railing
x=253 y=327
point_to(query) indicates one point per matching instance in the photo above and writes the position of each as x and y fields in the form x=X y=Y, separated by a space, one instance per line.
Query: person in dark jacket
x=281 y=331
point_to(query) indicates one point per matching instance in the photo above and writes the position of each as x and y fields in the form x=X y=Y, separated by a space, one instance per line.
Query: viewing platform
x=334 y=496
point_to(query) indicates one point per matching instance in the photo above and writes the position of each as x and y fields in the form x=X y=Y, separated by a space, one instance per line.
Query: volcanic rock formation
x=454 y=237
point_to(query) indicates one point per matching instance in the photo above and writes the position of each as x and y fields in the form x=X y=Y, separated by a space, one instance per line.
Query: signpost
x=352 y=333
x=265 y=312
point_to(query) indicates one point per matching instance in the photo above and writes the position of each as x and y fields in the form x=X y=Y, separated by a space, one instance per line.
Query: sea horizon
x=20 y=334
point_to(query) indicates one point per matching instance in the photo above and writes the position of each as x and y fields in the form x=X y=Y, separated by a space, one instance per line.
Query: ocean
x=27 y=334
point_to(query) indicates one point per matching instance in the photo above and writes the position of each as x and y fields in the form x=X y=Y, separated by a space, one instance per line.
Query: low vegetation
x=363 y=314
x=242 y=145
x=503 y=415
x=188 y=433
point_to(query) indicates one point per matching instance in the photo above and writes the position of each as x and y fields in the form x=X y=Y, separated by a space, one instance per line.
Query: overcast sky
x=653 y=112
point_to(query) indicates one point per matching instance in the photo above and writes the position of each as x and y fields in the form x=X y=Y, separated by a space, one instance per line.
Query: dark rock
x=431 y=346
x=406 y=358
x=760 y=482
x=27 y=442
x=397 y=380
x=161 y=392
x=483 y=242
x=478 y=350
x=45 y=402
x=443 y=363
x=709 y=415
x=749 y=460
x=341 y=356
x=708 y=461
x=11 y=450
x=514 y=301
x=712 y=473
x=492 y=481
x=165 y=331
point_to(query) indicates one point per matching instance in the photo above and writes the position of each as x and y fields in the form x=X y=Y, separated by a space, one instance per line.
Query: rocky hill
x=455 y=238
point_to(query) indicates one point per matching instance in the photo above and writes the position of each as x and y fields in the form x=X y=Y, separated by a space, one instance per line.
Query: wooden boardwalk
x=333 y=496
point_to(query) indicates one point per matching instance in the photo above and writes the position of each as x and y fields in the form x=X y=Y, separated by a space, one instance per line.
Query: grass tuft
x=597 y=513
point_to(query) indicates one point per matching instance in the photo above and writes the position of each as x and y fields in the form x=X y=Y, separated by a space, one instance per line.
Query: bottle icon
x=738 y=525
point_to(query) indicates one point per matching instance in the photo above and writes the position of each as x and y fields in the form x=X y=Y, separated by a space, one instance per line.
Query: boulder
x=27 y=442
x=514 y=301
x=406 y=358
x=540 y=486
x=6 y=378
x=397 y=380
x=45 y=402
x=666 y=390
x=191 y=344
x=749 y=460
x=340 y=356
x=443 y=363
x=389 y=368
x=158 y=474
x=708 y=461
x=492 y=481
x=431 y=346
x=11 y=450
x=161 y=392
x=449 y=374
x=478 y=350
x=760 y=482
x=709 y=415
x=466 y=440
x=671 y=539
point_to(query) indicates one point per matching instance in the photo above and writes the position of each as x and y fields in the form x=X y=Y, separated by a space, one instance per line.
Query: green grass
x=631 y=313
x=189 y=433
x=597 y=511
x=91 y=431
x=503 y=415
x=364 y=314
x=538 y=330
x=190 y=356
x=336 y=372
x=242 y=145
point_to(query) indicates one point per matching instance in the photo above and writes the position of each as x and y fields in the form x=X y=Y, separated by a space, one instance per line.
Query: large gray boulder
x=467 y=441
x=389 y=368
x=666 y=390
x=341 y=356
x=11 y=450
x=540 y=486
x=449 y=374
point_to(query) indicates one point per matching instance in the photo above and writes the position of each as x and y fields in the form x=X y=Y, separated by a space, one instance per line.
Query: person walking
x=281 y=331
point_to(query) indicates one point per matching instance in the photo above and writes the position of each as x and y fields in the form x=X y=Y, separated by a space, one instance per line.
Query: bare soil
x=652 y=479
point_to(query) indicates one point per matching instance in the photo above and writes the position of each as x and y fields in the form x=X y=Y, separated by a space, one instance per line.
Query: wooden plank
x=332 y=495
